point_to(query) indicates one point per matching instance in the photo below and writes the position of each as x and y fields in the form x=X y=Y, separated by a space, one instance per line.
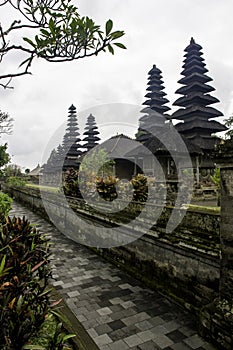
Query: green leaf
x=52 y=26
x=117 y=34
x=45 y=32
x=2 y=265
x=33 y=347
x=59 y=316
x=108 y=26
x=110 y=49
x=19 y=303
x=120 y=45
x=68 y=336
x=29 y=41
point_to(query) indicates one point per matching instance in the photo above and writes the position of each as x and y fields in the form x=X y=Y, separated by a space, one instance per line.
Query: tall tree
x=4 y=156
x=55 y=32
x=5 y=128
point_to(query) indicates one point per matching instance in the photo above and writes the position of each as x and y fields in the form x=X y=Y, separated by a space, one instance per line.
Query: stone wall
x=216 y=318
x=183 y=264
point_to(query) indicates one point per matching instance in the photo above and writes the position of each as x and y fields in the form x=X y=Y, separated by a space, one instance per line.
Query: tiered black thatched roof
x=195 y=112
x=71 y=141
x=91 y=133
x=51 y=164
x=155 y=116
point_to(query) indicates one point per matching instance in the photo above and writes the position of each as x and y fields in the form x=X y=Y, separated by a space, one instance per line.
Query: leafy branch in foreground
x=5 y=123
x=229 y=124
x=56 y=33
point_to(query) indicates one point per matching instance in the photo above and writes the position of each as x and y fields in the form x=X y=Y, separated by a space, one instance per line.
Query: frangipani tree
x=52 y=30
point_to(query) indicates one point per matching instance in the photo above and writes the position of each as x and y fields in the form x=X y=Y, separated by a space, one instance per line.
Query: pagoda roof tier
x=194 y=69
x=156 y=146
x=91 y=132
x=196 y=111
x=155 y=93
x=153 y=144
x=199 y=125
x=72 y=129
x=195 y=98
x=147 y=124
x=155 y=108
x=195 y=86
x=154 y=70
x=159 y=100
x=193 y=53
x=91 y=138
x=72 y=108
x=73 y=153
x=70 y=163
x=194 y=61
x=205 y=143
x=143 y=137
x=73 y=116
x=155 y=87
x=195 y=77
x=71 y=126
x=91 y=126
x=156 y=79
x=88 y=146
x=73 y=150
x=190 y=118
x=71 y=137
x=193 y=45
x=153 y=115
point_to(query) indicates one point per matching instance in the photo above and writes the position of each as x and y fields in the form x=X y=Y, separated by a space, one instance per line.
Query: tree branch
x=61 y=36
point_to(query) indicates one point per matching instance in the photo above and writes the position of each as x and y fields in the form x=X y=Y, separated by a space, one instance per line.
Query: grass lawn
x=45 y=188
x=204 y=208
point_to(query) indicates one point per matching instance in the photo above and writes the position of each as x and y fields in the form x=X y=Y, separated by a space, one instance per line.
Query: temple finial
x=192 y=41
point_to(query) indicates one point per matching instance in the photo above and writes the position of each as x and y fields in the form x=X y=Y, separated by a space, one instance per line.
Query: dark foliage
x=24 y=274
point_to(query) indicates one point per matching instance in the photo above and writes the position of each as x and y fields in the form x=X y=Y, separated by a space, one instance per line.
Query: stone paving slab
x=116 y=310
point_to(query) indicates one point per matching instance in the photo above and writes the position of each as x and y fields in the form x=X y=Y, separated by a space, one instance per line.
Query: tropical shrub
x=5 y=206
x=70 y=183
x=16 y=181
x=216 y=177
x=140 y=186
x=97 y=161
x=12 y=170
x=106 y=187
x=24 y=275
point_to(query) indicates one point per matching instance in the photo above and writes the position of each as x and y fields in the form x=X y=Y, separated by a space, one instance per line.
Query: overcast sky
x=157 y=32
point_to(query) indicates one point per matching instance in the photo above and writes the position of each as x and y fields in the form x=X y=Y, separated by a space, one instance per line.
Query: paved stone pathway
x=117 y=311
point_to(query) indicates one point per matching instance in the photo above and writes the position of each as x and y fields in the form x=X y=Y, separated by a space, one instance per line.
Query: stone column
x=216 y=319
